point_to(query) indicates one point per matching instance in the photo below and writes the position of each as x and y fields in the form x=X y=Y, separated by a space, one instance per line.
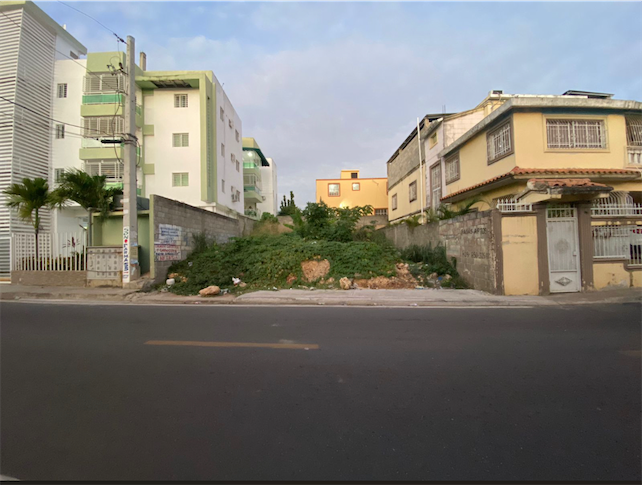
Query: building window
x=334 y=190
x=575 y=133
x=238 y=166
x=233 y=157
x=412 y=191
x=60 y=131
x=73 y=55
x=354 y=175
x=498 y=143
x=180 y=101
x=238 y=137
x=356 y=186
x=222 y=150
x=180 y=140
x=381 y=212
x=432 y=141
x=435 y=185
x=223 y=186
x=58 y=173
x=452 y=169
x=221 y=114
x=62 y=90
x=94 y=126
x=180 y=179
x=231 y=123
x=394 y=202
x=634 y=131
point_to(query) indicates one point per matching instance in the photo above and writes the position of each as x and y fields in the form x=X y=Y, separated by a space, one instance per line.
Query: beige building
x=564 y=172
x=351 y=191
x=407 y=185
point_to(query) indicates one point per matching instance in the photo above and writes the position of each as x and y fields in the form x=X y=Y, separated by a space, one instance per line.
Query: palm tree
x=29 y=198
x=89 y=192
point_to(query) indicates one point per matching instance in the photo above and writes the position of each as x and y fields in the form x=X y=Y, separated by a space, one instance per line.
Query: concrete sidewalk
x=397 y=298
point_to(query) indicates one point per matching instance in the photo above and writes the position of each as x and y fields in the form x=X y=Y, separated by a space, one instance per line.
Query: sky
x=330 y=86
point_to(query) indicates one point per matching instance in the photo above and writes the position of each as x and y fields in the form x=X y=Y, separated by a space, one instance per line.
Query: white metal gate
x=563 y=249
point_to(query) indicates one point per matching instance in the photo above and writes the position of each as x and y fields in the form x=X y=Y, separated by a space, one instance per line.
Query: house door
x=563 y=249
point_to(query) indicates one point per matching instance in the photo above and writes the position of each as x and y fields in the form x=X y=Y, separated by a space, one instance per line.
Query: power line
x=52 y=119
x=43 y=125
x=98 y=22
x=49 y=46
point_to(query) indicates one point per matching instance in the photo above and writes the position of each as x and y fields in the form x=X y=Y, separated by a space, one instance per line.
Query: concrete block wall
x=192 y=221
x=468 y=238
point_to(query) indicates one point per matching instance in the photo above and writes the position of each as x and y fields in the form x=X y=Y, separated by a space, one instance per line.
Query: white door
x=563 y=249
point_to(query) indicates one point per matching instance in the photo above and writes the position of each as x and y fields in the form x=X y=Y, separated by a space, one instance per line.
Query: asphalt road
x=389 y=394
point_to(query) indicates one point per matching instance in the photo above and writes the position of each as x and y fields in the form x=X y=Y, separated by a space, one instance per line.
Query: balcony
x=104 y=83
x=252 y=194
x=253 y=213
x=112 y=98
x=634 y=154
x=113 y=170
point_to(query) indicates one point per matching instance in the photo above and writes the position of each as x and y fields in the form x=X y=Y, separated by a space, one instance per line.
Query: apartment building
x=350 y=190
x=406 y=182
x=189 y=135
x=32 y=47
x=254 y=162
x=270 y=202
x=564 y=172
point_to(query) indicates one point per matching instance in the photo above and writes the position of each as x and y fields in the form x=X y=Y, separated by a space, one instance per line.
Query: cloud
x=326 y=86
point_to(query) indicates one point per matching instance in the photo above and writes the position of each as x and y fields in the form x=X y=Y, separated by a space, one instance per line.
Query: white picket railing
x=635 y=155
x=56 y=252
x=616 y=204
x=509 y=204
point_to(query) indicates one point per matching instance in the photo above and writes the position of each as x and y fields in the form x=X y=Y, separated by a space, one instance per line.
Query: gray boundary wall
x=191 y=221
x=469 y=238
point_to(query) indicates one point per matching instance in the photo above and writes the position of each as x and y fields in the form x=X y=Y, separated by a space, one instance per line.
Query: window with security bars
x=435 y=185
x=180 y=179
x=180 y=140
x=96 y=126
x=634 y=131
x=60 y=131
x=393 y=202
x=618 y=241
x=498 y=143
x=575 y=133
x=334 y=190
x=58 y=173
x=62 y=90
x=180 y=101
x=412 y=191
x=381 y=212
x=452 y=169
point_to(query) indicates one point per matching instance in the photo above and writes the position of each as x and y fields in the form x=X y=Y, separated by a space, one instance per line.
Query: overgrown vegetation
x=267 y=261
x=429 y=261
x=288 y=207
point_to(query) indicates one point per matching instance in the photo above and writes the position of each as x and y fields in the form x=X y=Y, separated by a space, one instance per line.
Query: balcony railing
x=634 y=155
x=112 y=169
x=617 y=204
x=103 y=98
x=251 y=165
x=104 y=83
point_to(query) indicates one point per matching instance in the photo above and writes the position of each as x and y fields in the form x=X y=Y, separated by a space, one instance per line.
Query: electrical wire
x=24 y=31
x=52 y=119
x=43 y=125
x=98 y=22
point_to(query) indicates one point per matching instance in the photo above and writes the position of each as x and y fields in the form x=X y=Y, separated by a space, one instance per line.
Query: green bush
x=429 y=260
x=319 y=221
x=266 y=261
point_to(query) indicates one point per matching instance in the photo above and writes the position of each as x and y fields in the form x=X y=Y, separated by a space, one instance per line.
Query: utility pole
x=131 y=268
x=421 y=176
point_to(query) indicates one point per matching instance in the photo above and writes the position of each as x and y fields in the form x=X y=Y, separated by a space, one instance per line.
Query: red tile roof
x=517 y=171
x=551 y=183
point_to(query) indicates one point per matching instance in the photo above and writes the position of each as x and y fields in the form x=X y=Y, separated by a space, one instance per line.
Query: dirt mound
x=402 y=280
x=314 y=270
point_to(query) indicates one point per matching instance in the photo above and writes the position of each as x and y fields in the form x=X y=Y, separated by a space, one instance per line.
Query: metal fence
x=509 y=204
x=616 y=204
x=56 y=252
x=618 y=241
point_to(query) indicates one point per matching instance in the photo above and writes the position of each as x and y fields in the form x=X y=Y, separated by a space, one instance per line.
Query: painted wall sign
x=167 y=246
x=125 y=253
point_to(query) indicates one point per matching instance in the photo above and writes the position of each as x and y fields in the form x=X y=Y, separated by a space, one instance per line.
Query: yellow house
x=352 y=191
x=564 y=173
